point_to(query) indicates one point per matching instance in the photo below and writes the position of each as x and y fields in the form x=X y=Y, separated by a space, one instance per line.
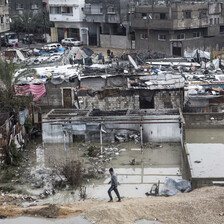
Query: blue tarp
x=59 y=50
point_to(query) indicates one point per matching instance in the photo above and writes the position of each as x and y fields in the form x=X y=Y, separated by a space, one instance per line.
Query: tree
x=8 y=98
x=31 y=23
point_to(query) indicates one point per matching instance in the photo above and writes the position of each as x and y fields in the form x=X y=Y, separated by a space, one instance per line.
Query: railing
x=92 y=11
x=67 y=14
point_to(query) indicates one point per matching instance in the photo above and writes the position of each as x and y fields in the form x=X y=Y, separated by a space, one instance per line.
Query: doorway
x=67 y=98
x=177 y=49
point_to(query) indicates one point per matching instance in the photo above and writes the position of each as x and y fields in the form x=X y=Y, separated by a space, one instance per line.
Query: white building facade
x=4 y=17
x=68 y=18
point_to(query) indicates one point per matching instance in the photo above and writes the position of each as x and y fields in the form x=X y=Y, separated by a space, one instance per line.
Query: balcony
x=162 y=24
x=89 y=11
x=64 y=17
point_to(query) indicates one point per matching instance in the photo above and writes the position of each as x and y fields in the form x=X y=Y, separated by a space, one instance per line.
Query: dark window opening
x=78 y=138
x=144 y=15
x=146 y=100
x=187 y=14
x=162 y=15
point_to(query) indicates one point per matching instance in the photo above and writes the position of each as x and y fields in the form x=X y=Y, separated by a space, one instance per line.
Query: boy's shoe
x=110 y=201
x=119 y=200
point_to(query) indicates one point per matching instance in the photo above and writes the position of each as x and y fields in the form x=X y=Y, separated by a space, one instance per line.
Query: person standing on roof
x=113 y=187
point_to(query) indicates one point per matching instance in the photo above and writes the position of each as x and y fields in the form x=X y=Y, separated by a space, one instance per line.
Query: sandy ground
x=201 y=206
x=117 y=52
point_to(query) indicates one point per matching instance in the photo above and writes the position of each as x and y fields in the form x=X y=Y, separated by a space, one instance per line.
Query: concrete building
x=4 y=16
x=17 y=7
x=46 y=4
x=173 y=27
x=112 y=22
x=68 y=18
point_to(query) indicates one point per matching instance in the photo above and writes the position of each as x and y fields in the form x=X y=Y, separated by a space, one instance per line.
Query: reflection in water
x=205 y=135
x=157 y=162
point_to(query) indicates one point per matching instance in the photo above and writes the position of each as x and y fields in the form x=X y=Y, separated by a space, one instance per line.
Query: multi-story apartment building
x=112 y=21
x=4 y=17
x=68 y=18
x=173 y=27
x=17 y=7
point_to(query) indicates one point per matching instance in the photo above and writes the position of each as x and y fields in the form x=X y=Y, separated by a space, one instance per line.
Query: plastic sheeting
x=22 y=116
x=213 y=65
x=201 y=54
x=173 y=187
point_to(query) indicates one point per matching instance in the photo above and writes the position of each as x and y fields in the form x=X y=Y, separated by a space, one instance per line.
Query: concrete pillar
x=170 y=12
x=111 y=29
x=98 y=35
x=54 y=34
x=66 y=33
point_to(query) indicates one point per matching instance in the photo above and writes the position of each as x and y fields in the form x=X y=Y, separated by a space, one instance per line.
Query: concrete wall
x=189 y=44
x=109 y=103
x=115 y=41
x=157 y=128
x=53 y=133
x=162 y=132
x=171 y=99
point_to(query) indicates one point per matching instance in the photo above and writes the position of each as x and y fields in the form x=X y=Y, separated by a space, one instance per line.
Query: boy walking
x=113 y=187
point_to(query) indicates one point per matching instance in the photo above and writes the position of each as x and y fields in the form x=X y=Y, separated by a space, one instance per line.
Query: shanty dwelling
x=206 y=98
x=108 y=92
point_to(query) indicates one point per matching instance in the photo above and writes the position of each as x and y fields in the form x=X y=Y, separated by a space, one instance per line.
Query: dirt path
x=201 y=206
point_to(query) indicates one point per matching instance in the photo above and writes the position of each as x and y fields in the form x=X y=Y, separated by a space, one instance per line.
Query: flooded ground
x=26 y=220
x=206 y=152
x=205 y=135
x=154 y=163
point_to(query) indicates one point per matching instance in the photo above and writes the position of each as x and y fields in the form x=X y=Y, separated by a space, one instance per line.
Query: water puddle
x=204 y=135
x=24 y=220
x=155 y=163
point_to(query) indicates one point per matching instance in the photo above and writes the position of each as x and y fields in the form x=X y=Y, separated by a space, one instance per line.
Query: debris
x=173 y=187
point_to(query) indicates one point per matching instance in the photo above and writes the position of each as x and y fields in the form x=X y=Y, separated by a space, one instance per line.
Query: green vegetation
x=8 y=99
x=29 y=22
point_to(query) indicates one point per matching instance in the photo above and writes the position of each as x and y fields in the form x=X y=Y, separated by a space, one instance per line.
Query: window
x=162 y=15
x=144 y=15
x=187 y=14
x=181 y=36
x=55 y=10
x=161 y=37
x=34 y=6
x=2 y=19
x=214 y=109
x=143 y=36
x=215 y=21
x=211 y=21
x=203 y=13
x=196 y=34
x=67 y=11
x=19 y=6
x=1 y=2
x=110 y=9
